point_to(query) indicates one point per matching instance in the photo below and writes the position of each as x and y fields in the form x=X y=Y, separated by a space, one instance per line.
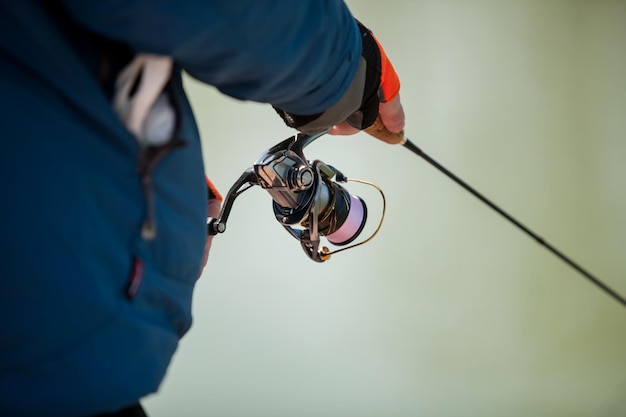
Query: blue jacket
x=90 y=311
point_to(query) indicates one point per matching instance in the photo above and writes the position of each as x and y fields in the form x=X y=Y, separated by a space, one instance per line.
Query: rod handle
x=380 y=131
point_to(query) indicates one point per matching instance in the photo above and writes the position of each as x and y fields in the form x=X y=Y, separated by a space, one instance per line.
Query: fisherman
x=104 y=196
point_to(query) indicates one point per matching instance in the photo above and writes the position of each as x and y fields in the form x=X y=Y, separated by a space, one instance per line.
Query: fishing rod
x=379 y=131
x=311 y=202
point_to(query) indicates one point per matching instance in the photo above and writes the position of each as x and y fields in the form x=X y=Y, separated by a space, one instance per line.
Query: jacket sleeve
x=296 y=55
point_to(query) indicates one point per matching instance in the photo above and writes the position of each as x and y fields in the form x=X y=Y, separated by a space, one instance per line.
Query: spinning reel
x=308 y=200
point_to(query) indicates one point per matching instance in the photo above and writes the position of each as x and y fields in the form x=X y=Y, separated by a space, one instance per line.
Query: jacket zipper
x=149 y=158
x=151 y=155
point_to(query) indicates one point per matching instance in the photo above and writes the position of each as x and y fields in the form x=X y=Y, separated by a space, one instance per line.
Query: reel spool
x=308 y=200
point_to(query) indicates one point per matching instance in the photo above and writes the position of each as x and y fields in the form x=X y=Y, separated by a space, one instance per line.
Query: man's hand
x=213 y=210
x=391 y=115
x=372 y=98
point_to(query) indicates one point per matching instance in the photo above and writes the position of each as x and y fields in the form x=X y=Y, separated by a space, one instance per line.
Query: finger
x=392 y=115
x=214 y=208
x=214 y=211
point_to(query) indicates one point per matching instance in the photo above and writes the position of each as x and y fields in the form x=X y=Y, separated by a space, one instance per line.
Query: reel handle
x=380 y=131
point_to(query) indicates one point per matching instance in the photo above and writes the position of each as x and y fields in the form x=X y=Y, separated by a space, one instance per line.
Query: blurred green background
x=450 y=311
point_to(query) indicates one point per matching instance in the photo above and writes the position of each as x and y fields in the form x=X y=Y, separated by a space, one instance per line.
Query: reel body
x=308 y=200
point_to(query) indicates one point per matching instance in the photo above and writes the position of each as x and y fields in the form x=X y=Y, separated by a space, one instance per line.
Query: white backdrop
x=450 y=311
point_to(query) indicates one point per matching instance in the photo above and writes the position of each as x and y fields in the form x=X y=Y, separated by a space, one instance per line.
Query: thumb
x=343 y=128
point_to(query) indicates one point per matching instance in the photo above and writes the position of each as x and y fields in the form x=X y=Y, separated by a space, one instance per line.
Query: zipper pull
x=148 y=229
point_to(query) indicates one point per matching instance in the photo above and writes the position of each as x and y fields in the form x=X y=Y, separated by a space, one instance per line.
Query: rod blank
x=415 y=149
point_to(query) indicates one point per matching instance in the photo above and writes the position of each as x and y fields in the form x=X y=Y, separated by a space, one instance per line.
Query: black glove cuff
x=359 y=105
x=371 y=101
x=295 y=120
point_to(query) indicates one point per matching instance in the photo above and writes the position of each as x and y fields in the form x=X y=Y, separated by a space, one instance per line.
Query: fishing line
x=415 y=149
